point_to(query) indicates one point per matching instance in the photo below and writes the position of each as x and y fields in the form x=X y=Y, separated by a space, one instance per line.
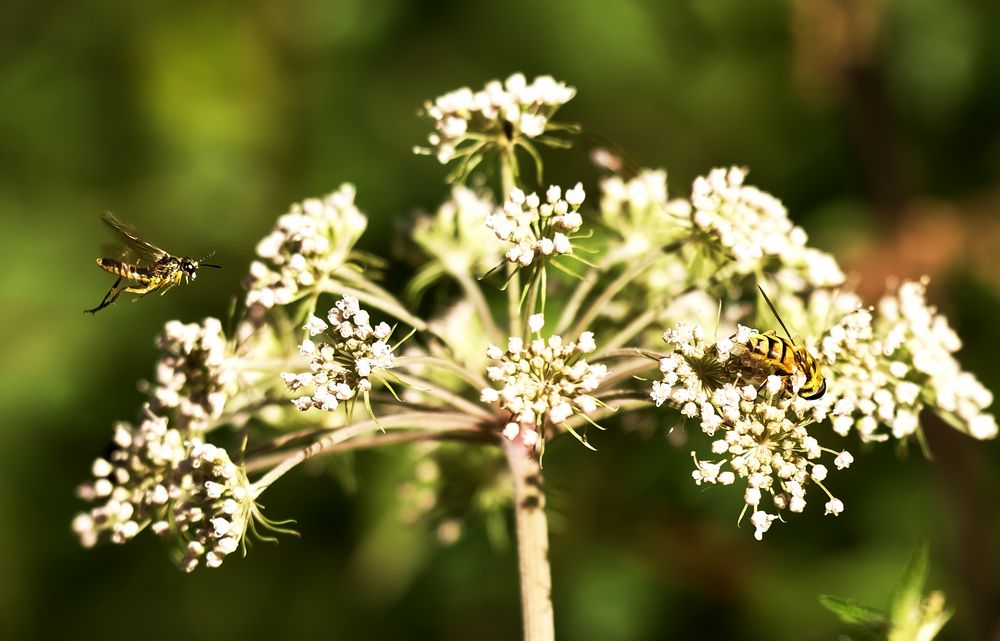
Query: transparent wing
x=122 y=252
x=131 y=238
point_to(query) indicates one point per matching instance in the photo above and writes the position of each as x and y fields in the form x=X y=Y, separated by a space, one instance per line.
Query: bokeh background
x=874 y=120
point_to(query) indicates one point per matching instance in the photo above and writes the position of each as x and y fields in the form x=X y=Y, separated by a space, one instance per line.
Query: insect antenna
x=201 y=264
x=775 y=312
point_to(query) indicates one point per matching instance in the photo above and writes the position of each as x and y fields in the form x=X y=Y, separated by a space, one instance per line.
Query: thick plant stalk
x=532 y=531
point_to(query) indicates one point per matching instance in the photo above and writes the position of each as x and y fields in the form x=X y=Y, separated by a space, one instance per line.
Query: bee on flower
x=769 y=352
x=761 y=434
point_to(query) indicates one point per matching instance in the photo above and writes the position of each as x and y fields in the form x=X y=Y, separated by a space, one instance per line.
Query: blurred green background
x=874 y=120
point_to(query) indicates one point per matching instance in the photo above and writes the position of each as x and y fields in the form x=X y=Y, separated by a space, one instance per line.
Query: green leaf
x=853 y=613
x=904 y=607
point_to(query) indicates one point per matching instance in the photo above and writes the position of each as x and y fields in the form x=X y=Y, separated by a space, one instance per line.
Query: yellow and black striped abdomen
x=125 y=270
x=773 y=351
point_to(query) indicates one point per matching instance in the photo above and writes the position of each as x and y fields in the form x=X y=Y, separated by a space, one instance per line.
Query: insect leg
x=108 y=298
x=142 y=290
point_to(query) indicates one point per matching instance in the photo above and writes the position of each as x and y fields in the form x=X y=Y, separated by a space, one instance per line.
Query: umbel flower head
x=534 y=229
x=212 y=507
x=307 y=246
x=515 y=113
x=544 y=382
x=639 y=211
x=748 y=230
x=344 y=364
x=183 y=489
x=760 y=435
x=887 y=366
x=130 y=486
x=196 y=375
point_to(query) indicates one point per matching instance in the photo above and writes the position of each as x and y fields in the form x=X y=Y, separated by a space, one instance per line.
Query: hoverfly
x=161 y=272
x=782 y=356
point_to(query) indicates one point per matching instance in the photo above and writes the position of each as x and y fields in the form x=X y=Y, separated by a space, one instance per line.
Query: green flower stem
x=472 y=378
x=633 y=329
x=629 y=352
x=628 y=369
x=508 y=178
x=458 y=402
x=508 y=170
x=531 y=527
x=267 y=461
x=638 y=396
x=514 y=299
x=581 y=291
x=377 y=290
x=429 y=423
x=622 y=401
x=475 y=294
x=612 y=290
x=591 y=279
x=583 y=288
x=532 y=294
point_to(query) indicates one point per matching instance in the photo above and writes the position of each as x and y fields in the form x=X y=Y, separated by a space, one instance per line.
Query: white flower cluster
x=752 y=227
x=538 y=229
x=647 y=189
x=886 y=368
x=308 y=244
x=196 y=375
x=457 y=236
x=512 y=109
x=184 y=488
x=760 y=435
x=543 y=381
x=342 y=366
x=213 y=506
x=131 y=485
x=639 y=211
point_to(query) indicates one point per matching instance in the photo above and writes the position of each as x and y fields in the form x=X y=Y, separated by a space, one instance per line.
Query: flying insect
x=783 y=357
x=142 y=267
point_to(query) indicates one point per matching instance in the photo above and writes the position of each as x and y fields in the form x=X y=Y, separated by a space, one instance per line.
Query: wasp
x=782 y=356
x=150 y=270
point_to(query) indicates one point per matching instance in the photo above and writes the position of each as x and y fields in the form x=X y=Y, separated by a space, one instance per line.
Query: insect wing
x=132 y=239
x=123 y=253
